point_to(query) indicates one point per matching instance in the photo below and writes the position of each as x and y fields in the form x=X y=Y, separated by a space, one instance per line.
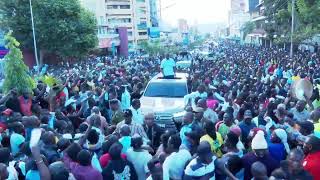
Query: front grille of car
x=165 y=120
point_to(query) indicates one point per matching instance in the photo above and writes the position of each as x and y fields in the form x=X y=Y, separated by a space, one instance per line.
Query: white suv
x=165 y=98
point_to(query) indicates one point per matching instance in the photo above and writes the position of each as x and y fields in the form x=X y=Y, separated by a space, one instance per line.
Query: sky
x=195 y=11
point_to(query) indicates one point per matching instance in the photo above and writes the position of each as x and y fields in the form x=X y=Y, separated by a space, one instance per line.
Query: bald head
x=188 y=118
x=315 y=115
x=259 y=170
x=202 y=103
x=125 y=130
x=95 y=110
x=149 y=119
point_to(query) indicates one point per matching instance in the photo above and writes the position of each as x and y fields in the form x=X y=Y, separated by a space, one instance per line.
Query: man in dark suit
x=153 y=130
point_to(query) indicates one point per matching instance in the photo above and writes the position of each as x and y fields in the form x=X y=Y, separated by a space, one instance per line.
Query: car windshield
x=166 y=90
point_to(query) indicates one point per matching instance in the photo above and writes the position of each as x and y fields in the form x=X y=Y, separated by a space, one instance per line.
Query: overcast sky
x=200 y=11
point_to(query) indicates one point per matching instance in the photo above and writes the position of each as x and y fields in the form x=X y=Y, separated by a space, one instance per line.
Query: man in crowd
x=168 y=67
x=136 y=112
x=175 y=163
x=153 y=130
x=311 y=161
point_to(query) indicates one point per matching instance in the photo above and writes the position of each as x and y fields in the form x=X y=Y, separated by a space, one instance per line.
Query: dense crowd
x=241 y=120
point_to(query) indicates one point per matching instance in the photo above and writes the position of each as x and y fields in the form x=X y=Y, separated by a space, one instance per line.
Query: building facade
x=154 y=16
x=237 y=17
x=107 y=40
x=132 y=14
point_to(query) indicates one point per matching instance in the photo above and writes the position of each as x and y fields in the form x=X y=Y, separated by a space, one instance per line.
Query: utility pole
x=34 y=38
x=292 y=28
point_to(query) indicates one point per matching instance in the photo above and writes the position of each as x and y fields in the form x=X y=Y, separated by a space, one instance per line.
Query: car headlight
x=179 y=114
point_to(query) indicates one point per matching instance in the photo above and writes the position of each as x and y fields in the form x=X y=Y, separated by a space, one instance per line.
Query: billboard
x=154 y=32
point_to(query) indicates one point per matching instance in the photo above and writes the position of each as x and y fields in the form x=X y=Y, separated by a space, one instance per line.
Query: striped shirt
x=197 y=170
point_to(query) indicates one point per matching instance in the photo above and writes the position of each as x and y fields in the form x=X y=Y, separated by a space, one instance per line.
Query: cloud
x=200 y=11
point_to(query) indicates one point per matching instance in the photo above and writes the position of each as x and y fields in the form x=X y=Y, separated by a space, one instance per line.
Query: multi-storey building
x=237 y=17
x=154 y=17
x=107 y=40
x=132 y=14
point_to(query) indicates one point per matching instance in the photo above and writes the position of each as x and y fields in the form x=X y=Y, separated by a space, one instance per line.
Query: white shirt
x=167 y=65
x=174 y=164
x=125 y=100
x=192 y=96
x=137 y=116
x=140 y=162
x=210 y=115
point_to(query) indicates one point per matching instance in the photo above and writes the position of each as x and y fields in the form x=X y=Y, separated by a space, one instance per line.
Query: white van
x=165 y=98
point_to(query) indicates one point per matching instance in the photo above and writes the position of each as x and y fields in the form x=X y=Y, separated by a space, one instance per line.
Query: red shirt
x=25 y=106
x=106 y=158
x=311 y=164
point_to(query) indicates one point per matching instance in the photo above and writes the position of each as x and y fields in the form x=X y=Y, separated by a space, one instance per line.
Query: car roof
x=180 y=77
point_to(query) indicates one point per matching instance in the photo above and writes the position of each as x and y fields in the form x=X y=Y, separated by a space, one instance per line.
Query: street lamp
x=292 y=28
x=34 y=38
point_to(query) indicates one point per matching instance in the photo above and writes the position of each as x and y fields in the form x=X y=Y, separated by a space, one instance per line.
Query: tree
x=62 y=27
x=247 y=28
x=307 y=18
x=16 y=72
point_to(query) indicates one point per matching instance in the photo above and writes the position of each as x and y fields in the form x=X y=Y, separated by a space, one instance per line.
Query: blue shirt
x=185 y=129
x=245 y=130
x=126 y=143
x=33 y=175
x=277 y=151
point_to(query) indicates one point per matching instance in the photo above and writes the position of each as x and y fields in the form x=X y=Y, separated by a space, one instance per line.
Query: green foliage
x=16 y=72
x=62 y=27
x=247 y=28
x=49 y=80
x=307 y=18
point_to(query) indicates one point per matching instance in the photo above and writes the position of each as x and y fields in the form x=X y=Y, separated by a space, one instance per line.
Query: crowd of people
x=241 y=120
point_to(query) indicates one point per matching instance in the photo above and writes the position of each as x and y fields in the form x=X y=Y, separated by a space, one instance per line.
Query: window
x=142 y=11
x=142 y=33
x=119 y=20
x=141 y=0
x=166 y=90
x=129 y=33
x=124 y=6
x=142 y=25
x=112 y=7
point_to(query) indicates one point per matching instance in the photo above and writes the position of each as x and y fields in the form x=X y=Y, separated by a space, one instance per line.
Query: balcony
x=118 y=2
x=143 y=37
x=119 y=12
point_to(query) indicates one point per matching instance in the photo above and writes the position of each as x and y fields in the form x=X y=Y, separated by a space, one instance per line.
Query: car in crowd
x=165 y=98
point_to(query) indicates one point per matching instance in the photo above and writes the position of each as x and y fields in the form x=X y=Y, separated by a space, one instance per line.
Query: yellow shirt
x=317 y=127
x=295 y=78
x=215 y=144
